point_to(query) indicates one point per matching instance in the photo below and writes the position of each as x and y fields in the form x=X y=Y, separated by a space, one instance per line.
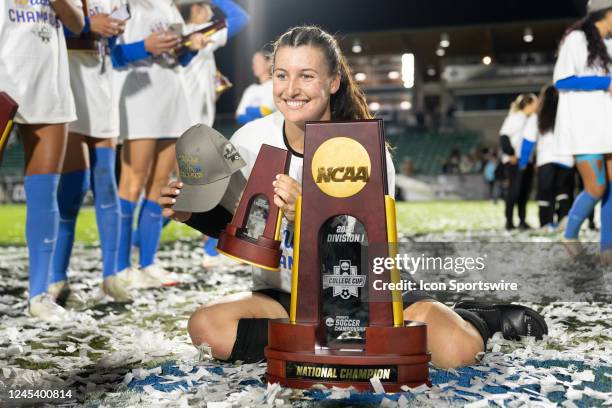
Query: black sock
x=478 y=322
x=251 y=339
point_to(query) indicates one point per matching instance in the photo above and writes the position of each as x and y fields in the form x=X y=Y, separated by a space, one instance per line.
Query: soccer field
x=412 y=218
x=139 y=353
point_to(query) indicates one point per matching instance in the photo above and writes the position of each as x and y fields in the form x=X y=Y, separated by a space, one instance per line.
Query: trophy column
x=336 y=334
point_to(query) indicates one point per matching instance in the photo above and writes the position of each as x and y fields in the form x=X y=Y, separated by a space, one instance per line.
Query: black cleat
x=514 y=321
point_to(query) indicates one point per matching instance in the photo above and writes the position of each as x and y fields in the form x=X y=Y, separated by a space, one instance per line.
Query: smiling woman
x=312 y=82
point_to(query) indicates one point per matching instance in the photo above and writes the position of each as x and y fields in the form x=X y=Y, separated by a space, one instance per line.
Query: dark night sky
x=270 y=18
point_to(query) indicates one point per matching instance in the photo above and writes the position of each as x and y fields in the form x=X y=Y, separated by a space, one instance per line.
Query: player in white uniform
x=201 y=71
x=584 y=117
x=200 y=74
x=91 y=140
x=257 y=100
x=312 y=82
x=519 y=181
x=34 y=72
x=555 y=171
x=154 y=111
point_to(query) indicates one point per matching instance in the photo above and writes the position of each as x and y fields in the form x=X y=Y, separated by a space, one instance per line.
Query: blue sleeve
x=86 y=29
x=185 y=59
x=526 y=150
x=585 y=83
x=236 y=17
x=123 y=54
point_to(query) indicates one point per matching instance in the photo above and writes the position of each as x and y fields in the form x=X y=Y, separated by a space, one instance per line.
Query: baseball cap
x=597 y=5
x=208 y=164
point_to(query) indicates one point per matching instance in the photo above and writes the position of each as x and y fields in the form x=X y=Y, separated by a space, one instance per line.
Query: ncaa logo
x=341 y=167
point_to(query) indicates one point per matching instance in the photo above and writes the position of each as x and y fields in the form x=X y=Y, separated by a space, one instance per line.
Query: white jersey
x=584 y=118
x=33 y=62
x=257 y=95
x=152 y=100
x=200 y=78
x=513 y=127
x=546 y=147
x=92 y=86
x=248 y=141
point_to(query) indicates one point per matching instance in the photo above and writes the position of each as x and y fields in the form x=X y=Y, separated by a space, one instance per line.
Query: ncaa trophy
x=337 y=333
x=253 y=234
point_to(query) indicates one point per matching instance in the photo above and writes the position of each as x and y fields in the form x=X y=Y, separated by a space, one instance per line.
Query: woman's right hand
x=160 y=42
x=168 y=198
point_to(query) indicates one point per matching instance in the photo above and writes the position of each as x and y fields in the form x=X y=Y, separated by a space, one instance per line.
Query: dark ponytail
x=598 y=52
x=547 y=111
x=349 y=102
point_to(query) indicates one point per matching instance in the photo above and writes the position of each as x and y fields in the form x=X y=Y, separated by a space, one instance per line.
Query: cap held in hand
x=207 y=163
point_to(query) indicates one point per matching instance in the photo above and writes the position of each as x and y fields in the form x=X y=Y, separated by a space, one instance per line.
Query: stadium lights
x=440 y=52
x=356 y=47
x=360 y=77
x=393 y=75
x=374 y=106
x=405 y=105
x=487 y=60
x=528 y=35
x=408 y=70
x=444 y=40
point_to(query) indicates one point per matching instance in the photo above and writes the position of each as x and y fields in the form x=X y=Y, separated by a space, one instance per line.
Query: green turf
x=12 y=226
x=413 y=218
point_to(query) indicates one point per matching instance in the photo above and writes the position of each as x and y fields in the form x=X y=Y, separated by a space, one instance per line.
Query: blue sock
x=210 y=247
x=581 y=209
x=606 y=219
x=150 y=226
x=72 y=189
x=125 y=234
x=107 y=206
x=42 y=221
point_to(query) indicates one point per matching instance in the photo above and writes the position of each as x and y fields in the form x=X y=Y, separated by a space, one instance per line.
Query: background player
x=583 y=128
x=33 y=69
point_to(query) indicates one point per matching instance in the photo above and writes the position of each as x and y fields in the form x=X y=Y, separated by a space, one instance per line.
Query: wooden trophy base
x=396 y=355
x=264 y=253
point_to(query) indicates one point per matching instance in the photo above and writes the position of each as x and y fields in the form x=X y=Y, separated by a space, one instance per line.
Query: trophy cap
x=207 y=163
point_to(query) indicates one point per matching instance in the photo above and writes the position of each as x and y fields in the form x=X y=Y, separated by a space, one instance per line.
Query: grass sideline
x=413 y=218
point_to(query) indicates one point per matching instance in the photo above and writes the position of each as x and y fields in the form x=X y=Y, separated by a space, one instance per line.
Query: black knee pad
x=251 y=339
x=478 y=322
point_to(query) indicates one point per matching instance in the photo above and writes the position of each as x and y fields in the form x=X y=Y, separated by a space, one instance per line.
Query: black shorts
x=284 y=298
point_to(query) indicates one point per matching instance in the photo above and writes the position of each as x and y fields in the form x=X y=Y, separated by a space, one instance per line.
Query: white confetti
x=377 y=385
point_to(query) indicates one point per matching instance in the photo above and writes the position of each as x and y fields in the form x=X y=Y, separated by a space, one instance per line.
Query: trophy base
x=396 y=355
x=242 y=250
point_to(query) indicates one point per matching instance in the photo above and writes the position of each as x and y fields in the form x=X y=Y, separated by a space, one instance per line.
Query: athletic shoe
x=211 y=262
x=513 y=321
x=43 y=306
x=117 y=288
x=65 y=296
x=523 y=226
x=137 y=279
x=161 y=275
x=510 y=226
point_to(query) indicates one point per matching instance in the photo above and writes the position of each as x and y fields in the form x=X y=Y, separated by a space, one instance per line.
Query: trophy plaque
x=337 y=334
x=8 y=109
x=253 y=234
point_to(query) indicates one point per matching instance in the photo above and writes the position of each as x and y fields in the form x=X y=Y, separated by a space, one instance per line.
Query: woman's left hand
x=286 y=192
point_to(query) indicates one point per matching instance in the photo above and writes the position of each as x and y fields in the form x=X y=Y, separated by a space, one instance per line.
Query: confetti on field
x=139 y=354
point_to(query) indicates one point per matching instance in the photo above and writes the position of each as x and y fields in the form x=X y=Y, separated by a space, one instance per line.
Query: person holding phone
x=34 y=72
x=90 y=154
x=154 y=111
x=312 y=81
